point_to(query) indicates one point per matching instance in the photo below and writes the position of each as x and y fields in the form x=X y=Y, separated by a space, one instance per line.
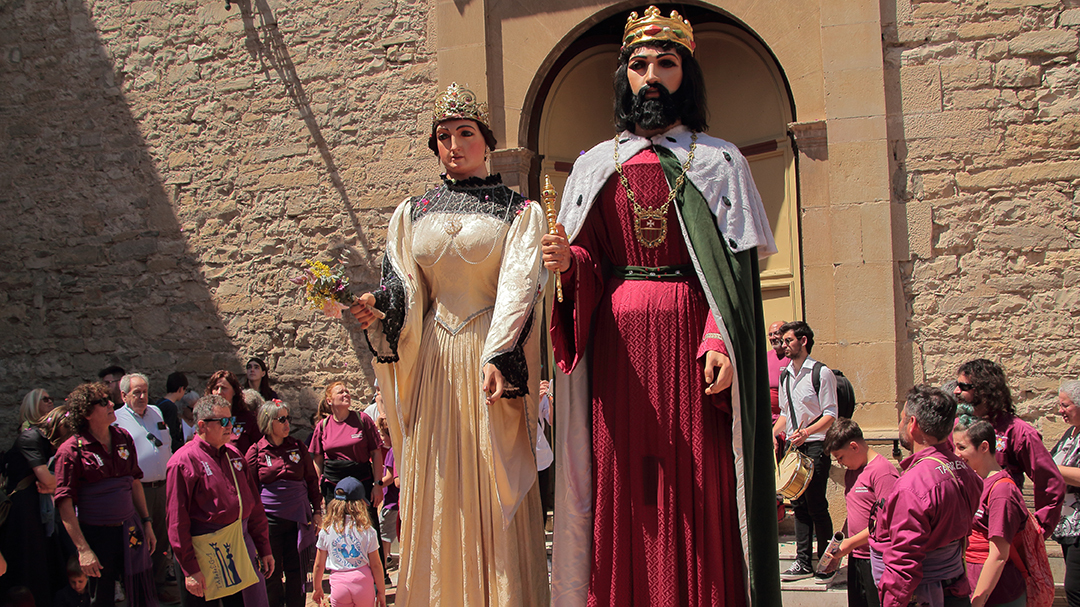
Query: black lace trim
x=471 y=196
x=514 y=367
x=390 y=299
x=472 y=182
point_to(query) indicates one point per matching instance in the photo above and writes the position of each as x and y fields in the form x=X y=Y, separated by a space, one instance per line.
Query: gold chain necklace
x=654 y=220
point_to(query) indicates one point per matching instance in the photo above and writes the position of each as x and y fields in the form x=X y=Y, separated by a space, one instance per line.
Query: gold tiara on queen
x=653 y=26
x=458 y=102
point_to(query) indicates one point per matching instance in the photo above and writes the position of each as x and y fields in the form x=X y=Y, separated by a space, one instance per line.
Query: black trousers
x=289 y=593
x=812 y=509
x=1071 y=552
x=107 y=542
x=190 y=600
x=861 y=590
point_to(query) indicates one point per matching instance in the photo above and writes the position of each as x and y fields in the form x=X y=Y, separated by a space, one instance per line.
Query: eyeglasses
x=224 y=421
x=284 y=419
x=101 y=402
x=965 y=387
x=775 y=340
x=46 y=399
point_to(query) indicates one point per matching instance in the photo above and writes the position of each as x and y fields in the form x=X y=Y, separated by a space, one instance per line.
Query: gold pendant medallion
x=650 y=222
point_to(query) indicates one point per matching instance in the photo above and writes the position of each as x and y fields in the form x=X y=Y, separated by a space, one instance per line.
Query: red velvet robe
x=665 y=528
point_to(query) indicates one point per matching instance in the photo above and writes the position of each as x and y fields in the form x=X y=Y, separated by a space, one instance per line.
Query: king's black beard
x=657 y=113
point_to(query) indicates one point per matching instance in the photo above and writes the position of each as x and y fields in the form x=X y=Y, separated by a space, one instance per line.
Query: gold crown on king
x=654 y=26
x=459 y=102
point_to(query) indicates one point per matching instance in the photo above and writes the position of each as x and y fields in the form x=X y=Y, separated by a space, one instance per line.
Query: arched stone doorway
x=749 y=105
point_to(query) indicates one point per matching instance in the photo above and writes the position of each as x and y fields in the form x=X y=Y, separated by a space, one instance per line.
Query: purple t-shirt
x=352 y=439
x=862 y=488
x=1001 y=513
x=390 y=491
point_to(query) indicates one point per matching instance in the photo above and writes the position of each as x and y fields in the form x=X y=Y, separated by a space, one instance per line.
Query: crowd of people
x=194 y=499
x=950 y=527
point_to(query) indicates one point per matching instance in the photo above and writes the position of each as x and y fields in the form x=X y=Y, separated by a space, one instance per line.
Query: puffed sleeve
x=518 y=291
x=398 y=290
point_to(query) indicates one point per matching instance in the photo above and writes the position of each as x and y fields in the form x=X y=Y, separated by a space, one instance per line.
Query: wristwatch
x=379 y=482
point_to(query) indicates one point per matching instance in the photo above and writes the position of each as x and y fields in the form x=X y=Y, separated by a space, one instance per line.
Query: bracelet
x=146 y=519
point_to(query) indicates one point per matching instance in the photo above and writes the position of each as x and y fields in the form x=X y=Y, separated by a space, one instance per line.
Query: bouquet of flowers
x=325 y=289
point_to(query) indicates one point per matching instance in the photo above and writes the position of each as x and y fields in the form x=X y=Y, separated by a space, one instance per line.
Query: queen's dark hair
x=690 y=97
x=489 y=137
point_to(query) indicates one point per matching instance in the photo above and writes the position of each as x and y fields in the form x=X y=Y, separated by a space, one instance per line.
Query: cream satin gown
x=472 y=524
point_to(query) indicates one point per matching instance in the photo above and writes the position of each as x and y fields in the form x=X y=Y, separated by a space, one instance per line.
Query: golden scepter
x=549 y=194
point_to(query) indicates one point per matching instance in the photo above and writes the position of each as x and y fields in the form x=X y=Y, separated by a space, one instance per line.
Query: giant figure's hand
x=556 y=250
x=492 y=382
x=719 y=372
x=363 y=310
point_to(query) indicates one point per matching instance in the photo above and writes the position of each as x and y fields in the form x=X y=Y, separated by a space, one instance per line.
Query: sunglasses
x=284 y=419
x=965 y=387
x=224 y=421
x=101 y=402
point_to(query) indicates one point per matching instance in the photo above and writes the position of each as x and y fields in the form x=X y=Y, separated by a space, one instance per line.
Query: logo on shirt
x=1001 y=443
x=357 y=435
x=122 y=452
x=238 y=464
x=206 y=469
x=294 y=457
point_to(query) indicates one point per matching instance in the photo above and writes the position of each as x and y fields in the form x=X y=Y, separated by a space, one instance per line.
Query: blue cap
x=350 y=489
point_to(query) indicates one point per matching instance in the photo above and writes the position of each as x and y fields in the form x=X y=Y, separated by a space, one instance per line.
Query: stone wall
x=168 y=165
x=985 y=140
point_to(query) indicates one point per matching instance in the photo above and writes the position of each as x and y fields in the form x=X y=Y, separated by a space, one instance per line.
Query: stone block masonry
x=167 y=166
x=987 y=158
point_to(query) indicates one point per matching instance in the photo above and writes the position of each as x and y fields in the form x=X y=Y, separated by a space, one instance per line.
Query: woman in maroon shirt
x=98 y=471
x=245 y=431
x=346 y=443
x=289 y=487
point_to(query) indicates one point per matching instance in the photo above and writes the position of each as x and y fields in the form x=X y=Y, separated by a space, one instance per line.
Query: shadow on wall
x=97 y=269
x=267 y=46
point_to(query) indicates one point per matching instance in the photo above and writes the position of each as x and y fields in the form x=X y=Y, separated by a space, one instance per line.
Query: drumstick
x=549 y=194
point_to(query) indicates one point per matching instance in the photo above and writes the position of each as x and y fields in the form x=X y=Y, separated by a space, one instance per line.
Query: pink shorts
x=353 y=588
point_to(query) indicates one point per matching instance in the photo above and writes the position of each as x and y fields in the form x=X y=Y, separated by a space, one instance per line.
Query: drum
x=793 y=474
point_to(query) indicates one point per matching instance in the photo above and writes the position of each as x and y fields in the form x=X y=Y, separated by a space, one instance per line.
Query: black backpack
x=845 y=393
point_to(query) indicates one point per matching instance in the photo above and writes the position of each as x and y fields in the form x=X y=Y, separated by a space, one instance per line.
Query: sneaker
x=824 y=578
x=797 y=571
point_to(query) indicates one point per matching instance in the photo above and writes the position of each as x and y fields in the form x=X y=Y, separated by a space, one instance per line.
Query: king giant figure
x=665 y=484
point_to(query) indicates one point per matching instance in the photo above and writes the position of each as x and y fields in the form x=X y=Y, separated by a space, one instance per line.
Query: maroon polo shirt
x=353 y=438
x=289 y=461
x=245 y=431
x=201 y=495
x=82 y=460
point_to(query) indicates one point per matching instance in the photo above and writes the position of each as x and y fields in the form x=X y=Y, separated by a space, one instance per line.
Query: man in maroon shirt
x=202 y=499
x=916 y=538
